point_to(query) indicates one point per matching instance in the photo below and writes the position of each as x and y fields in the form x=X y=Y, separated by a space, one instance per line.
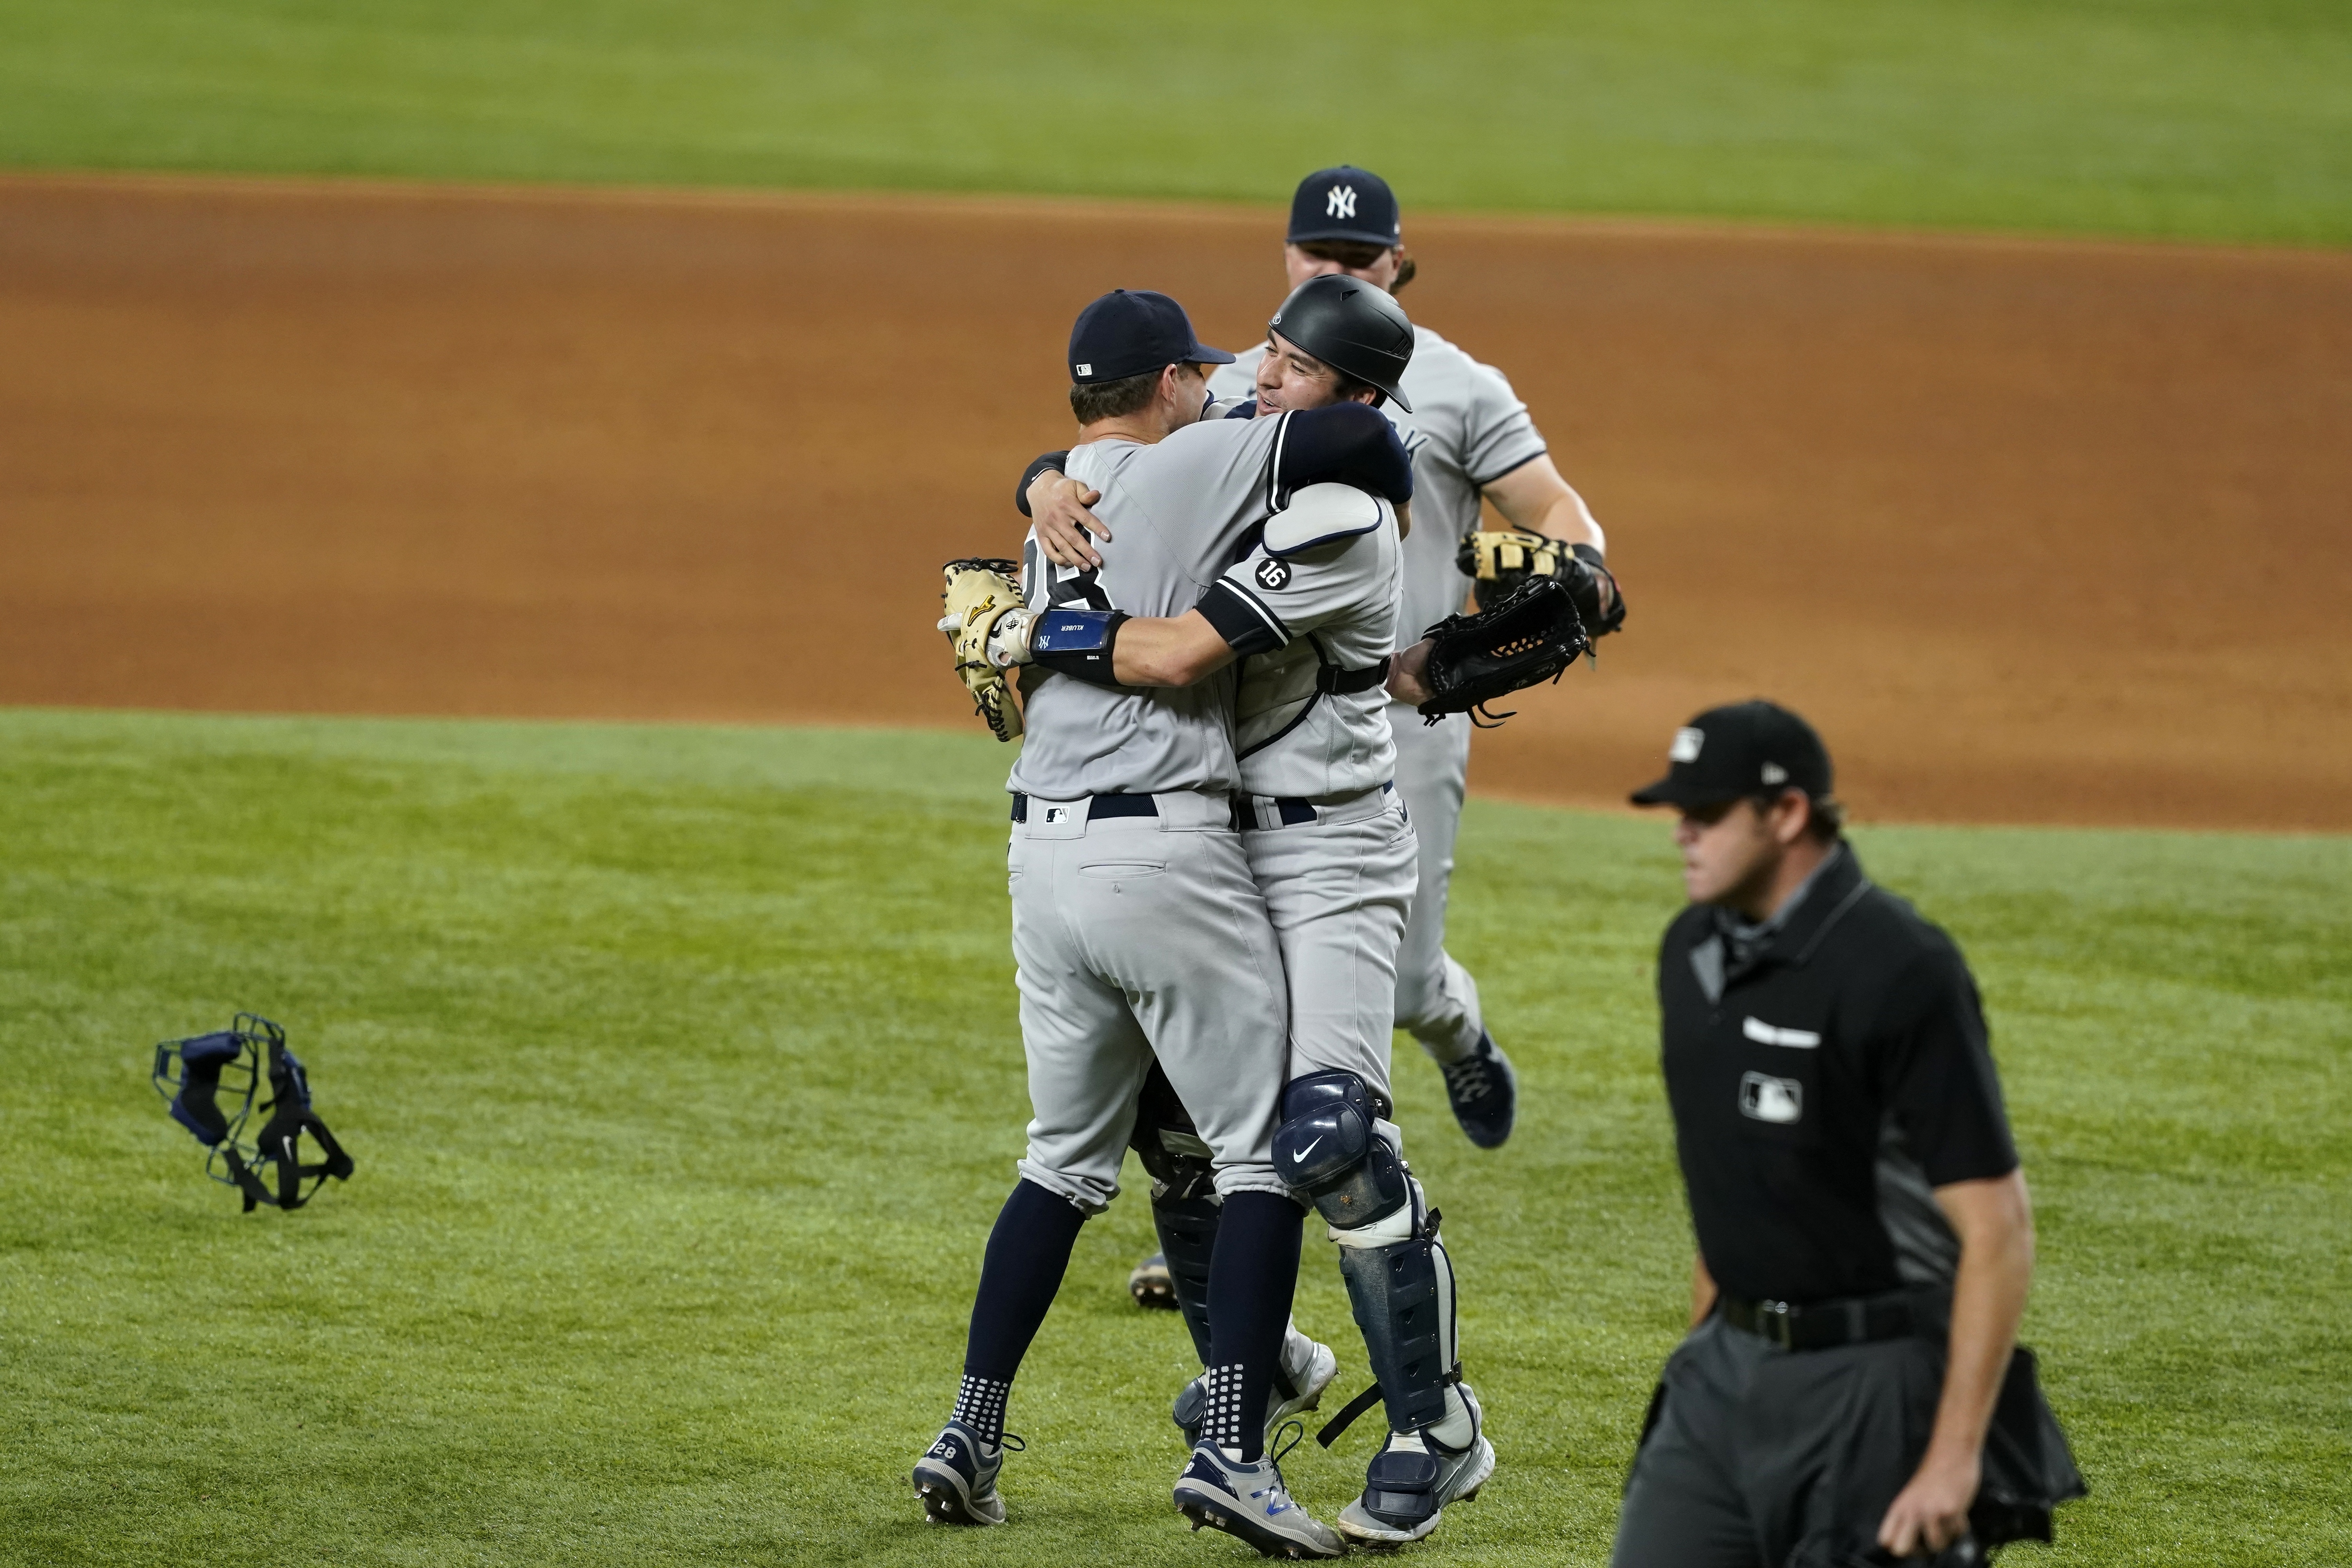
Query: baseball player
x=1470 y=438
x=1137 y=928
x=1309 y=613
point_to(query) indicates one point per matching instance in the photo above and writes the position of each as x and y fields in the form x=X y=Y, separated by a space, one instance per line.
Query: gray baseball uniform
x=1330 y=845
x=1142 y=933
x=1468 y=429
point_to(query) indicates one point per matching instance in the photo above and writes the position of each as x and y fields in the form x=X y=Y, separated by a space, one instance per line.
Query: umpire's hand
x=1931 y=1512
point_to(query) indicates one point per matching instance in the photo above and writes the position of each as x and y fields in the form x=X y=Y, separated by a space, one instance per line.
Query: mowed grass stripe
x=683 y=1072
x=2181 y=117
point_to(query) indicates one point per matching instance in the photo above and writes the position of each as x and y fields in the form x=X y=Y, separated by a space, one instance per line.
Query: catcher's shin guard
x=1402 y=1296
x=1184 y=1202
x=1188 y=1238
x=1332 y=1153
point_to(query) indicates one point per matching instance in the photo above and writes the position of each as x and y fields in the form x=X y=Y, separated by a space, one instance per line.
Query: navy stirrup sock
x=1251 y=1280
x=1028 y=1252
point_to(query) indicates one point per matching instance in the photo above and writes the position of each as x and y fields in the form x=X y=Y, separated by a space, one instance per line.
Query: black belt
x=1291 y=810
x=1821 y=1325
x=1331 y=679
x=1101 y=806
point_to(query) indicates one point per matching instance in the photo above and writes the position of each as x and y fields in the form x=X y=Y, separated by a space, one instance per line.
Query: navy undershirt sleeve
x=1052 y=460
x=1346 y=444
x=1246 y=626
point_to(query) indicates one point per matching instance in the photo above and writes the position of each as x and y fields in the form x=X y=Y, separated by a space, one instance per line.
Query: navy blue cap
x=1755 y=747
x=1132 y=332
x=1345 y=203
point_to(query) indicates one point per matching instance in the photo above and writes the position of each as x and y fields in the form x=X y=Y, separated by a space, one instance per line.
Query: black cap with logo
x=1132 y=332
x=1346 y=202
x=1745 y=749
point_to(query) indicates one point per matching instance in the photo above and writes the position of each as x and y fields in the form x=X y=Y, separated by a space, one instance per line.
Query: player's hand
x=1932 y=1512
x=1057 y=506
x=1405 y=683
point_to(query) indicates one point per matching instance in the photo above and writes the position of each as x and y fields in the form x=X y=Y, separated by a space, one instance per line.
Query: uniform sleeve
x=1341 y=443
x=1497 y=436
x=1051 y=460
x=1264 y=601
x=1940 y=1081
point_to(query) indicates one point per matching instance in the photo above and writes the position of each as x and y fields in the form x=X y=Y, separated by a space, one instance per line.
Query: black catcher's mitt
x=1530 y=634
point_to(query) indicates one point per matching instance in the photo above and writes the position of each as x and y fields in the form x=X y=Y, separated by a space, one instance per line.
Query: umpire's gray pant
x=1761 y=1458
x=1137 y=937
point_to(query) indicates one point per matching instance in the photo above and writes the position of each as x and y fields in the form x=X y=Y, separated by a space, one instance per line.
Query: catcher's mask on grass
x=212 y=1081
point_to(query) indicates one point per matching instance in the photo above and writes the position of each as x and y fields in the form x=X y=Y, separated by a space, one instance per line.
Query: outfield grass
x=2209 y=118
x=682 y=1072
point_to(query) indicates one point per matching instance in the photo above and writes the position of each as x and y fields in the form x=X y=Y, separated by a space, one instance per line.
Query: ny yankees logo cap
x=1742 y=749
x=1131 y=331
x=1345 y=203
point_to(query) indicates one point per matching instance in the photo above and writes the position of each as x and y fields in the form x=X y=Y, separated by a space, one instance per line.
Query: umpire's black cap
x=1345 y=203
x=1743 y=749
x=1133 y=332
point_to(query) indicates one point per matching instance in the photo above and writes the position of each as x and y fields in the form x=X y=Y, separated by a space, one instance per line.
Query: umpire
x=1851 y=1391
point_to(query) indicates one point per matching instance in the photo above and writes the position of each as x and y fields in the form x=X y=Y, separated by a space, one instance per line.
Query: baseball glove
x=1531 y=633
x=1509 y=557
x=977 y=593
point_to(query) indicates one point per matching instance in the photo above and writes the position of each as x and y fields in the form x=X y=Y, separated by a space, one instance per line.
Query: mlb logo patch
x=1688 y=742
x=1055 y=814
x=1768 y=1099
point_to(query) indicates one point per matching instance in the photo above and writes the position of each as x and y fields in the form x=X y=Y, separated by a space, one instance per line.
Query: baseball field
x=551 y=420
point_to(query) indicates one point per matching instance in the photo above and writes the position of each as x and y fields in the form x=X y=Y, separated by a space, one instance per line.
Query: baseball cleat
x=1307 y=1369
x=1484 y=1090
x=1250 y=1502
x=1150 y=1284
x=1410 y=1481
x=957 y=1477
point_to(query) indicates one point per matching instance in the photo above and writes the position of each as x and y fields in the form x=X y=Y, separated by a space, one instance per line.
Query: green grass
x=682 y=1072
x=2204 y=117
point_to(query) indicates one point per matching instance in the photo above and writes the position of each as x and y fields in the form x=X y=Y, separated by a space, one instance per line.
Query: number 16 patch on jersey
x=1273 y=575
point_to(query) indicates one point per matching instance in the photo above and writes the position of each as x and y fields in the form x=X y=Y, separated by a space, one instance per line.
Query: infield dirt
x=2035 y=532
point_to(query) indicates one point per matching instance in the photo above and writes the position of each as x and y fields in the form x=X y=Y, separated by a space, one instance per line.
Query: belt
x=1822 y=1325
x=1099 y=807
x=1254 y=810
x=1331 y=679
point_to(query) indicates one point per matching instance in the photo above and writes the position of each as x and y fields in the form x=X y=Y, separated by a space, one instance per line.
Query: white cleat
x=1250 y=1502
x=1411 y=1480
x=1307 y=1369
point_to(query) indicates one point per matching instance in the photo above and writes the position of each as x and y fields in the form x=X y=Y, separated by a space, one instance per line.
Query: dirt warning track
x=2035 y=532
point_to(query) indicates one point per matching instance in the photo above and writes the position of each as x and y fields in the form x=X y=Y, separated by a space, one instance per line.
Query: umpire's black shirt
x=1825 y=1073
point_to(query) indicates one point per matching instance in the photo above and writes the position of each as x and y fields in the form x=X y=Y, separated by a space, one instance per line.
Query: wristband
x=1077 y=643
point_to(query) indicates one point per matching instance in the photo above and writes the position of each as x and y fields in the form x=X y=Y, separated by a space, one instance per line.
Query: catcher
x=1309 y=615
x=1333 y=853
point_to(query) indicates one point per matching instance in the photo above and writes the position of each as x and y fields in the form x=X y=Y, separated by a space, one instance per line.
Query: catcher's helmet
x=1352 y=327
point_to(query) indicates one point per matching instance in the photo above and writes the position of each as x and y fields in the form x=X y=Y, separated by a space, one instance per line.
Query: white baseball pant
x=1137 y=937
x=1437 y=998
